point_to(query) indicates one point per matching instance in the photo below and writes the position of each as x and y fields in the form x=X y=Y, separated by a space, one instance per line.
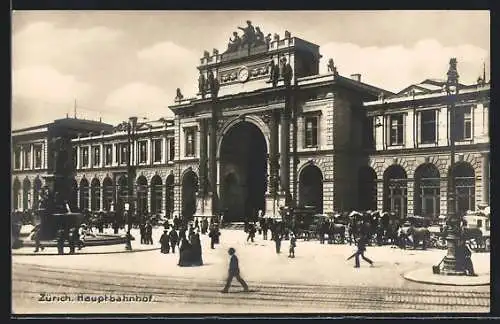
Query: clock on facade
x=243 y=74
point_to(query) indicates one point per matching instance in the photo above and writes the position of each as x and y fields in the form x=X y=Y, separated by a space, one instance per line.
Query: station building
x=327 y=141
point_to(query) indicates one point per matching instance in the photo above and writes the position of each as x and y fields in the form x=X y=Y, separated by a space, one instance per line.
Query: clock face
x=243 y=74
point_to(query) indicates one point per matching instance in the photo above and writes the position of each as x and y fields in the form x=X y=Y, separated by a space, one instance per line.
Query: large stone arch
x=253 y=119
x=243 y=175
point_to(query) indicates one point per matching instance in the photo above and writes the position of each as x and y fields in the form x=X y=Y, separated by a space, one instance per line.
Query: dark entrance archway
x=311 y=188
x=189 y=190
x=243 y=159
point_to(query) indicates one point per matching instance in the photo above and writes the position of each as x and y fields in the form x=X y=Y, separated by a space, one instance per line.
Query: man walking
x=234 y=271
x=362 y=242
x=277 y=239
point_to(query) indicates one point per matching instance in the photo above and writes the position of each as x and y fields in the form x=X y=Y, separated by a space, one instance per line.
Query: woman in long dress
x=184 y=253
x=197 y=259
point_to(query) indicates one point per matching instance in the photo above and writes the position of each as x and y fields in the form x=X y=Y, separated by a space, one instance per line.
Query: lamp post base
x=450 y=268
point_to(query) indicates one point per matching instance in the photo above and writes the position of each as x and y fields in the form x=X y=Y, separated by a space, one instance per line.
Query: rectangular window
x=96 y=156
x=171 y=149
x=190 y=141
x=108 y=154
x=85 y=156
x=428 y=126
x=479 y=223
x=157 y=150
x=38 y=156
x=27 y=157
x=123 y=153
x=142 y=151
x=17 y=158
x=117 y=153
x=74 y=156
x=396 y=124
x=311 y=131
x=463 y=123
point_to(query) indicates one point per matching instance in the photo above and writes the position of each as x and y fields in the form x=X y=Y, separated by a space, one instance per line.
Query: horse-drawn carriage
x=476 y=229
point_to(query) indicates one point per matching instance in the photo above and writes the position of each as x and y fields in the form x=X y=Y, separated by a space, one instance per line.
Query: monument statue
x=276 y=37
x=213 y=84
x=178 y=96
x=274 y=73
x=215 y=52
x=286 y=72
x=202 y=85
x=248 y=34
x=235 y=43
x=206 y=54
x=268 y=40
x=259 y=37
x=287 y=34
x=331 y=67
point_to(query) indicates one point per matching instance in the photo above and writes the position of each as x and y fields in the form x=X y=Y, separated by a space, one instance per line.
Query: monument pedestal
x=203 y=208
x=273 y=205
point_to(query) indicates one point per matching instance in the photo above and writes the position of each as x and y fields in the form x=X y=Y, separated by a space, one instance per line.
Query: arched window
x=84 y=194
x=395 y=190
x=26 y=194
x=156 y=194
x=311 y=188
x=427 y=191
x=142 y=196
x=95 y=194
x=464 y=187
x=367 y=186
x=107 y=194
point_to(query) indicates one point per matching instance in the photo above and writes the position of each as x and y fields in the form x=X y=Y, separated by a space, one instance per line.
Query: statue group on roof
x=252 y=37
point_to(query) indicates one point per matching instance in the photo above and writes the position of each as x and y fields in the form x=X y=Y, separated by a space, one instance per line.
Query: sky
x=117 y=64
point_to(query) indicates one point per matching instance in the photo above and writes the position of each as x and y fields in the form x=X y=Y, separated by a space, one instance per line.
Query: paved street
x=317 y=280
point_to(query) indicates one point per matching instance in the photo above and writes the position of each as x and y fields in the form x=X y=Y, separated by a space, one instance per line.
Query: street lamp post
x=130 y=127
x=453 y=221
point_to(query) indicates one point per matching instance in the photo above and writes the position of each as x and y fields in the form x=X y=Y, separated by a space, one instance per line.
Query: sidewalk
x=314 y=263
x=94 y=249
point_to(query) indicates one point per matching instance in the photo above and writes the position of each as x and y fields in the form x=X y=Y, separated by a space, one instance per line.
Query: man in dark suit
x=362 y=242
x=234 y=271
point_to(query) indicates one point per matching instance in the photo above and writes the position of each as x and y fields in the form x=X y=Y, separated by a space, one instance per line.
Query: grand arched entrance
x=243 y=161
x=311 y=188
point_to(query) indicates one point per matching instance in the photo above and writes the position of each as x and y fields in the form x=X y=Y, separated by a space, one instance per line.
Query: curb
x=422 y=276
x=85 y=253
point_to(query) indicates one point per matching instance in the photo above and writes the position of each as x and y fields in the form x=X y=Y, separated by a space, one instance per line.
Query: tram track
x=30 y=281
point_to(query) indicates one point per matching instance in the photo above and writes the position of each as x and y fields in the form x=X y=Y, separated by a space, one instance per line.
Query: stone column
x=380 y=195
x=273 y=153
x=285 y=150
x=213 y=158
x=485 y=178
x=203 y=157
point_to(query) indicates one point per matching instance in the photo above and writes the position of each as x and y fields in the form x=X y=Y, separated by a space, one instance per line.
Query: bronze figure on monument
x=202 y=84
x=178 y=95
x=234 y=44
x=248 y=34
x=274 y=73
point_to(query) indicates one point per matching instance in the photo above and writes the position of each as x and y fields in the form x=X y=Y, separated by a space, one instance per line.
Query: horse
x=419 y=234
x=336 y=233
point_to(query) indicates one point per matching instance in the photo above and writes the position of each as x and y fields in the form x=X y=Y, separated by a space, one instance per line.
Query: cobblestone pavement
x=319 y=279
x=177 y=295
